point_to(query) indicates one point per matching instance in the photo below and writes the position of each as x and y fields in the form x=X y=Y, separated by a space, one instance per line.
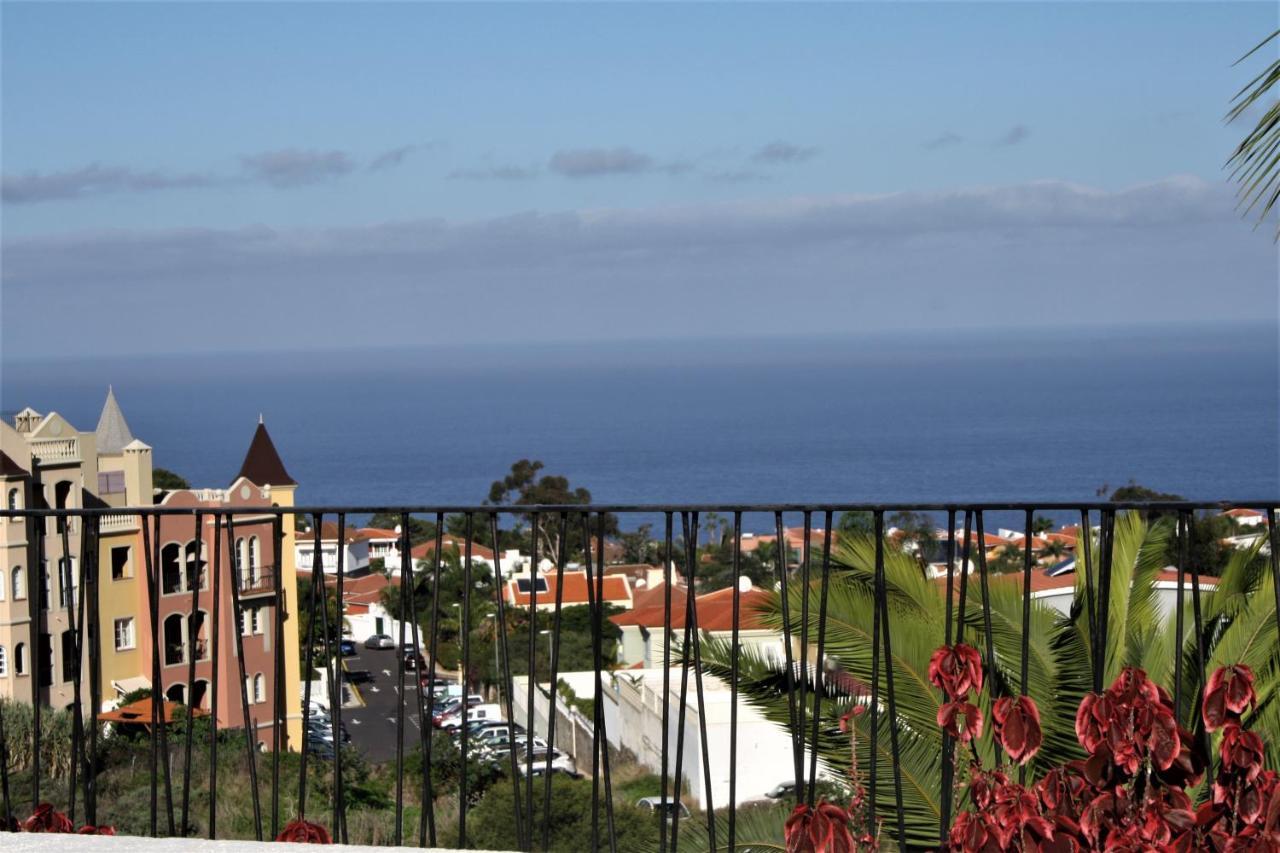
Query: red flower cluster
x=304 y=832
x=1129 y=795
x=821 y=829
x=47 y=819
x=955 y=670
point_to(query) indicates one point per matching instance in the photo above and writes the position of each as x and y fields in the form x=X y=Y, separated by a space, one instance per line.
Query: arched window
x=199 y=694
x=195 y=559
x=175 y=639
x=4 y=662
x=177 y=693
x=46 y=585
x=239 y=556
x=253 y=560
x=15 y=498
x=259 y=689
x=67 y=582
x=19 y=585
x=20 y=659
x=171 y=568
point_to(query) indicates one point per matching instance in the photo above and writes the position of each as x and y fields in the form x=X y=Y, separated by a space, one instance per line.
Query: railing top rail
x=550 y=509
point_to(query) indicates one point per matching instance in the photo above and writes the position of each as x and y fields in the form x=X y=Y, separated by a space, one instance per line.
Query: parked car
x=347 y=647
x=783 y=790
x=357 y=676
x=451 y=707
x=380 y=641
x=414 y=662
x=475 y=712
x=660 y=806
x=319 y=748
x=560 y=763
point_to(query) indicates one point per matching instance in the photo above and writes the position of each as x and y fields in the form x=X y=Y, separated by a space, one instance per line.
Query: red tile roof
x=374 y=533
x=616 y=590
x=421 y=552
x=715 y=612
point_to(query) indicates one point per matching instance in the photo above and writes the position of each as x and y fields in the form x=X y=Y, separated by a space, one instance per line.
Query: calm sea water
x=992 y=416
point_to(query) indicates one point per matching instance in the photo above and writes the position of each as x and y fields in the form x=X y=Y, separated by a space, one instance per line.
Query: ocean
x=1005 y=414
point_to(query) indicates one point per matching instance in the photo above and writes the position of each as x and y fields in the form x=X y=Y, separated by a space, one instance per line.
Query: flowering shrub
x=828 y=828
x=1130 y=794
x=47 y=819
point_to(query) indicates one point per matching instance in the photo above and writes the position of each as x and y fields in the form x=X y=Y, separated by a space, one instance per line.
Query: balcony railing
x=817 y=631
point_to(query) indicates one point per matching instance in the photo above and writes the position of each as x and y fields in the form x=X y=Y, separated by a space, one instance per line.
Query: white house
x=353 y=548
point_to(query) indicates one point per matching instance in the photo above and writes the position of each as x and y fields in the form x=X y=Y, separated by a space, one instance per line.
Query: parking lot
x=373 y=726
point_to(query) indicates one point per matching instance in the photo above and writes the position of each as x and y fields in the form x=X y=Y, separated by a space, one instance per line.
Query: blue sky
x=545 y=170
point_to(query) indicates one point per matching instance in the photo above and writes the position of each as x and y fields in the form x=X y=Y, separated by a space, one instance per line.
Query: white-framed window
x=259 y=689
x=255 y=620
x=124 y=634
x=20 y=659
x=238 y=557
x=67 y=582
x=254 y=560
x=4 y=662
x=46 y=583
x=19 y=585
x=15 y=500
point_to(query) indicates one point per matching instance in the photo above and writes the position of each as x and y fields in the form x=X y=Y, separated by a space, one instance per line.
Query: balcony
x=56 y=451
x=751 y=675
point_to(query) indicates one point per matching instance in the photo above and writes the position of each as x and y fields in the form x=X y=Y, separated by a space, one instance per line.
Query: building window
x=196 y=566
x=4 y=662
x=67 y=582
x=15 y=500
x=20 y=659
x=238 y=555
x=19 y=587
x=259 y=689
x=46 y=585
x=124 y=634
x=110 y=482
x=121 y=568
x=44 y=665
x=177 y=693
x=175 y=639
x=171 y=569
x=253 y=560
x=68 y=656
x=255 y=620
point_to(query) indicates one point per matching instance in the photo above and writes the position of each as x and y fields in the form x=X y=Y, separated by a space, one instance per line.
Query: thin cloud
x=784 y=152
x=596 y=162
x=737 y=176
x=92 y=180
x=494 y=173
x=286 y=168
x=1015 y=135
x=391 y=158
x=943 y=140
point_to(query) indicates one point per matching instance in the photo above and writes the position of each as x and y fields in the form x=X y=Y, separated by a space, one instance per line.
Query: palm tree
x=1255 y=164
x=1239 y=625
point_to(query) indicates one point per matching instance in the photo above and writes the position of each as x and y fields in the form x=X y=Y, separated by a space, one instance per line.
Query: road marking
x=387 y=673
x=354 y=721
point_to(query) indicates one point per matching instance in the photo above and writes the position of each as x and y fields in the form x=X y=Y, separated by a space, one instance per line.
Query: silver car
x=379 y=641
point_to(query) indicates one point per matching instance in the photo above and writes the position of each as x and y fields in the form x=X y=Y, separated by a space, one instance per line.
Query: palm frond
x=1255 y=164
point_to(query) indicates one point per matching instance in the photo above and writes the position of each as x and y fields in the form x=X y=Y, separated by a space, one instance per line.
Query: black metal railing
x=822 y=675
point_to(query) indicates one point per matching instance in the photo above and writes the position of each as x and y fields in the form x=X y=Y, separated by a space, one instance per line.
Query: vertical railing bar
x=35 y=606
x=667 y=636
x=419 y=662
x=531 y=681
x=335 y=708
x=966 y=558
x=278 y=720
x=1105 y=547
x=945 y=792
x=986 y=607
x=1186 y=518
x=561 y=558
x=94 y=627
x=1274 y=535
x=309 y=663
x=75 y=597
x=733 y=681
x=429 y=720
x=595 y=655
x=250 y=727
x=151 y=553
x=804 y=647
x=404 y=601
x=678 y=780
x=873 y=772
x=191 y=674
x=1084 y=540
x=819 y=663
x=505 y=684
x=1025 y=649
x=214 y=668
x=466 y=669
x=599 y=705
x=797 y=742
x=1179 y=630
x=890 y=695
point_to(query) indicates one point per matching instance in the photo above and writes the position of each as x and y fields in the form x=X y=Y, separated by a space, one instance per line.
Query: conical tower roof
x=113 y=431
x=262 y=465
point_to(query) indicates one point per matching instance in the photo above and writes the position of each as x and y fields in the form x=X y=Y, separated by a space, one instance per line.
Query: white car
x=379 y=641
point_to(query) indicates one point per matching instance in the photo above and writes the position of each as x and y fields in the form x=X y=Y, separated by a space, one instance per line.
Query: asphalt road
x=373 y=727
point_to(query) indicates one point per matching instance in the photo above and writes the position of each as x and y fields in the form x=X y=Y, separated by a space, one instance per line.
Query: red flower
x=956 y=670
x=822 y=829
x=45 y=819
x=846 y=719
x=304 y=832
x=948 y=719
x=1228 y=692
x=97 y=830
x=1093 y=718
x=1241 y=752
x=973 y=833
x=1017 y=725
